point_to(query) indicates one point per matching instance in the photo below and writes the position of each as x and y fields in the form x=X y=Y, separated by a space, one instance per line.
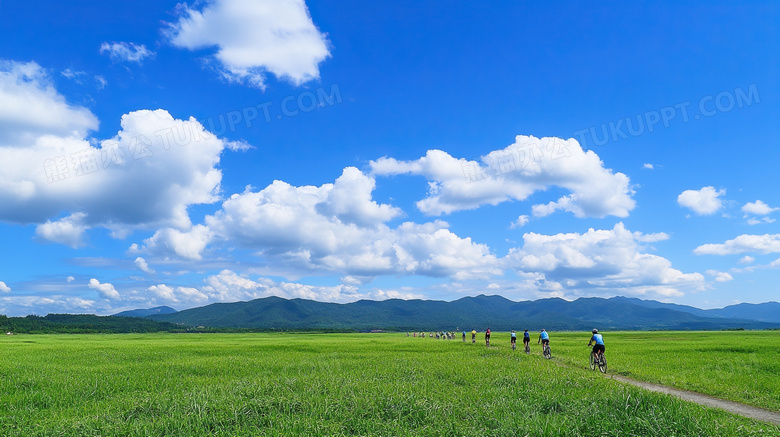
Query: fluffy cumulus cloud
x=253 y=38
x=747 y=259
x=767 y=243
x=68 y=230
x=31 y=109
x=333 y=228
x=163 y=294
x=720 y=276
x=229 y=286
x=610 y=260
x=143 y=265
x=16 y=306
x=760 y=209
x=4 y=288
x=170 y=242
x=105 y=290
x=126 y=51
x=514 y=173
x=703 y=202
x=53 y=175
x=520 y=222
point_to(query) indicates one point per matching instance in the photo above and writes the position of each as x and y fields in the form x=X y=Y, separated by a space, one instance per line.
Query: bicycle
x=546 y=351
x=527 y=348
x=514 y=345
x=598 y=359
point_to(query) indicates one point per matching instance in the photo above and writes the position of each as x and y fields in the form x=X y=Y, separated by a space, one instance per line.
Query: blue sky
x=155 y=153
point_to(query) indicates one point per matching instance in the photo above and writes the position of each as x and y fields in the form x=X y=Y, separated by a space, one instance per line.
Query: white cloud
x=514 y=173
x=105 y=290
x=126 y=51
x=759 y=221
x=703 y=202
x=255 y=37
x=648 y=166
x=746 y=259
x=520 y=222
x=228 y=286
x=172 y=242
x=73 y=75
x=162 y=293
x=15 y=306
x=338 y=228
x=720 y=276
x=30 y=108
x=650 y=238
x=143 y=265
x=767 y=243
x=349 y=199
x=144 y=177
x=4 y=288
x=599 y=260
x=68 y=231
x=758 y=208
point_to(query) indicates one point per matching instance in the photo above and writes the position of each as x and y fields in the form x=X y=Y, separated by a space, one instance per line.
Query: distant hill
x=146 y=312
x=480 y=312
x=764 y=312
x=83 y=324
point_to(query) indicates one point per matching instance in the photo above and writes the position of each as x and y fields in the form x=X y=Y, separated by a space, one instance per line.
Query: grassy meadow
x=362 y=384
x=742 y=366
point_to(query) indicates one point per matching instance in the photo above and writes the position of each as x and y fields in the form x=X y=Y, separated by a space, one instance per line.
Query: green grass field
x=349 y=384
x=741 y=366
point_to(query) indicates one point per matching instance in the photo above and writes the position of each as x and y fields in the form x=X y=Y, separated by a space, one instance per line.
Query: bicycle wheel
x=603 y=364
x=547 y=352
x=592 y=362
x=527 y=349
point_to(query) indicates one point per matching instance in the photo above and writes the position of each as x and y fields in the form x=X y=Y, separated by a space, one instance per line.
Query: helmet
x=542 y=330
x=595 y=331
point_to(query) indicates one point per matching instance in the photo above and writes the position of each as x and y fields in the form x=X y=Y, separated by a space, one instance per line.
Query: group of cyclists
x=596 y=340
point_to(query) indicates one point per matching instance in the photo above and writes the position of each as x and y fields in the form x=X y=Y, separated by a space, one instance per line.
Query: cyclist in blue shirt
x=599 y=340
x=526 y=338
x=513 y=339
x=544 y=338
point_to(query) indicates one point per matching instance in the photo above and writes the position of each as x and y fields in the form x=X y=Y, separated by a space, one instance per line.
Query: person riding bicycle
x=526 y=338
x=544 y=338
x=513 y=339
x=473 y=335
x=599 y=340
x=487 y=337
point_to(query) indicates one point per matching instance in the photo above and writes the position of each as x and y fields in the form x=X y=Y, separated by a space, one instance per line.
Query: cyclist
x=464 y=336
x=487 y=337
x=513 y=339
x=544 y=338
x=526 y=338
x=473 y=335
x=598 y=347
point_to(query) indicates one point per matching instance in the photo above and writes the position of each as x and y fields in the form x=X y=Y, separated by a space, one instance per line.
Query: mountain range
x=480 y=312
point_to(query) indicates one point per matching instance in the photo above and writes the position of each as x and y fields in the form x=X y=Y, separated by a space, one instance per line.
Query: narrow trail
x=706 y=400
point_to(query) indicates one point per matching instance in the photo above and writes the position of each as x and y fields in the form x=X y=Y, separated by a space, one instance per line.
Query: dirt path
x=708 y=401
